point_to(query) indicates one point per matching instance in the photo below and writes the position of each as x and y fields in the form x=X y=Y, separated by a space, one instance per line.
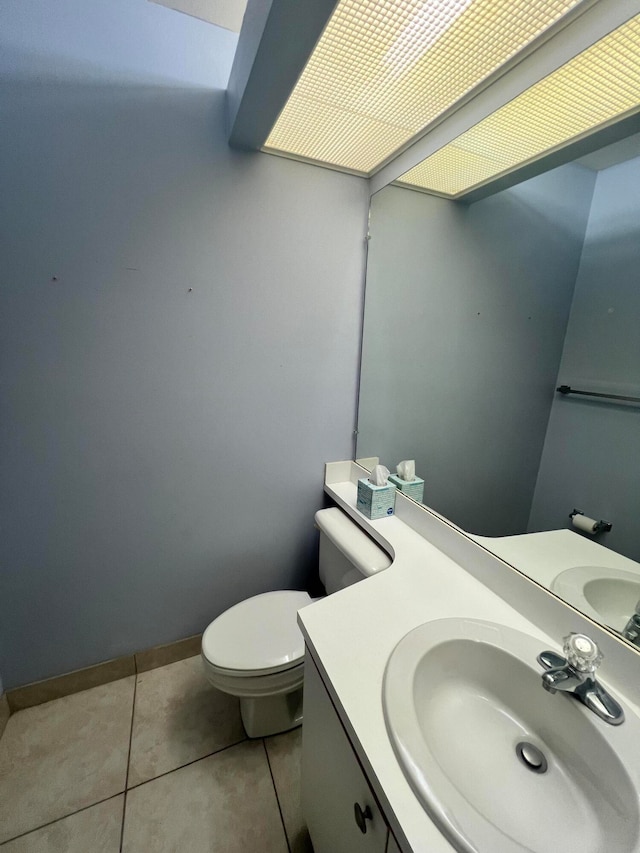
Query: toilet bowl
x=255 y=650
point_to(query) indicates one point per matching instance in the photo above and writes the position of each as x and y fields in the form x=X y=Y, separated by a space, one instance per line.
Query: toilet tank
x=347 y=554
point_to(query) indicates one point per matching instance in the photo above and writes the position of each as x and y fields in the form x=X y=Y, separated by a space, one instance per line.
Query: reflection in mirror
x=474 y=315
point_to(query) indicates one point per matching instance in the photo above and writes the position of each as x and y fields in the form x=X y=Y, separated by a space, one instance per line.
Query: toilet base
x=270 y=715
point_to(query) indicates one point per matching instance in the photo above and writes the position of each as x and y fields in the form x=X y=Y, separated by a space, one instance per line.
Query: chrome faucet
x=631 y=630
x=574 y=674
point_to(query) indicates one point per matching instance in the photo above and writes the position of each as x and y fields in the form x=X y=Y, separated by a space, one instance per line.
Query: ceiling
x=222 y=13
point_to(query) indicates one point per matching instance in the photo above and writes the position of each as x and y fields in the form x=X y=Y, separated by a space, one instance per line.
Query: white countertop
x=352 y=633
x=542 y=556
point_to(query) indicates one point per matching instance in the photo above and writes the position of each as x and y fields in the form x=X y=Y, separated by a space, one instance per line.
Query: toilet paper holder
x=599 y=526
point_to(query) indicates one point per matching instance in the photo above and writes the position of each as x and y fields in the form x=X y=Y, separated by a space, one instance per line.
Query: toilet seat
x=257 y=637
x=247 y=684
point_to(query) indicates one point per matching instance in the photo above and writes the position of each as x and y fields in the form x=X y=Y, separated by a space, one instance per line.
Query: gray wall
x=466 y=311
x=591 y=456
x=179 y=327
x=114 y=40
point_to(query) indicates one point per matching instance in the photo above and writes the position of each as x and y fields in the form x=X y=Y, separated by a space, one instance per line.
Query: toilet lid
x=259 y=633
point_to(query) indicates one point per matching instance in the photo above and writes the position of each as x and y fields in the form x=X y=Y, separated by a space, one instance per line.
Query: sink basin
x=607 y=595
x=461 y=698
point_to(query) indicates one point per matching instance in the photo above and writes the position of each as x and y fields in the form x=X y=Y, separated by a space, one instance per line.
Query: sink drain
x=532 y=758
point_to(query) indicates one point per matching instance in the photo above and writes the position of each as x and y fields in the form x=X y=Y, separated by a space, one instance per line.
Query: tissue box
x=375 y=501
x=411 y=488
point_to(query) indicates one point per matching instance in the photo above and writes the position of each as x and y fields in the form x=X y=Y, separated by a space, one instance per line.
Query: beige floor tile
x=64 y=755
x=93 y=830
x=221 y=804
x=179 y=717
x=285 y=755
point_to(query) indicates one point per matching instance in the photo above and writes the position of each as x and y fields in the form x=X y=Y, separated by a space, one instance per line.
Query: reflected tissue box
x=411 y=488
x=376 y=501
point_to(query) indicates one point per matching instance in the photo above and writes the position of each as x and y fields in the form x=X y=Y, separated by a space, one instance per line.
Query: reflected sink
x=606 y=595
x=460 y=699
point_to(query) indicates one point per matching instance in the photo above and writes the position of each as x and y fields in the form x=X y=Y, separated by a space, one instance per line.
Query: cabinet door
x=333 y=784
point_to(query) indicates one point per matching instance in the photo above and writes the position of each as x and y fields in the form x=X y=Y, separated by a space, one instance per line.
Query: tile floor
x=154 y=763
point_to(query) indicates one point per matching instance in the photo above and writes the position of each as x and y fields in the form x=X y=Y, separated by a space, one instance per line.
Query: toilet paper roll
x=584 y=523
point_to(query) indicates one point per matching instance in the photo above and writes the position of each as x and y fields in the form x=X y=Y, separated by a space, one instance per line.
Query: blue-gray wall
x=179 y=327
x=466 y=312
x=591 y=457
x=115 y=40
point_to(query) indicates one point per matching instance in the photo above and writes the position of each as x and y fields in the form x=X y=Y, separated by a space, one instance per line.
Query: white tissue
x=379 y=475
x=406 y=470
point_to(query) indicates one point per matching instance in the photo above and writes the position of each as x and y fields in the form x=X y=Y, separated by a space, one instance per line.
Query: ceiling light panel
x=385 y=69
x=597 y=87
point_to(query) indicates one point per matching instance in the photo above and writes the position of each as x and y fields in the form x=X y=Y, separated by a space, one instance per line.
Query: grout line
x=273 y=782
x=63 y=817
x=188 y=764
x=126 y=779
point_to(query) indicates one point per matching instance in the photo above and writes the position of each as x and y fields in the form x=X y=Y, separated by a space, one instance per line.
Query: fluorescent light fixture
x=385 y=69
x=420 y=32
x=598 y=87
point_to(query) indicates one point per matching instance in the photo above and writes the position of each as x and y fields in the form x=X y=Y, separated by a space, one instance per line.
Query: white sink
x=607 y=595
x=459 y=697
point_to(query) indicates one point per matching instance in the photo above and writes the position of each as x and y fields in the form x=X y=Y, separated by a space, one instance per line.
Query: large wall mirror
x=474 y=315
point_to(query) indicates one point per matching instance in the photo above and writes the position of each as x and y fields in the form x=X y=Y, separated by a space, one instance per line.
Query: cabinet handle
x=362 y=816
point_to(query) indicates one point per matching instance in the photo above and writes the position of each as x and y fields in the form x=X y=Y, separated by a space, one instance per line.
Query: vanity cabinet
x=392 y=845
x=340 y=810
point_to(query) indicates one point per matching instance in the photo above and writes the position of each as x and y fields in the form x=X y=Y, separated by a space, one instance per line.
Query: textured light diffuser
x=384 y=69
x=597 y=87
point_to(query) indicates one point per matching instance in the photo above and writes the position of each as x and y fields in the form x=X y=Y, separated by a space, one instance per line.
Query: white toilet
x=255 y=649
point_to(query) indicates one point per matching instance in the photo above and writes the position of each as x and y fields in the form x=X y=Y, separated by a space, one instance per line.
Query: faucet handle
x=582 y=653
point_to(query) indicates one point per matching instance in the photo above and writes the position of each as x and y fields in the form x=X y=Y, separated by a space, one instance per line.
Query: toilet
x=255 y=650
